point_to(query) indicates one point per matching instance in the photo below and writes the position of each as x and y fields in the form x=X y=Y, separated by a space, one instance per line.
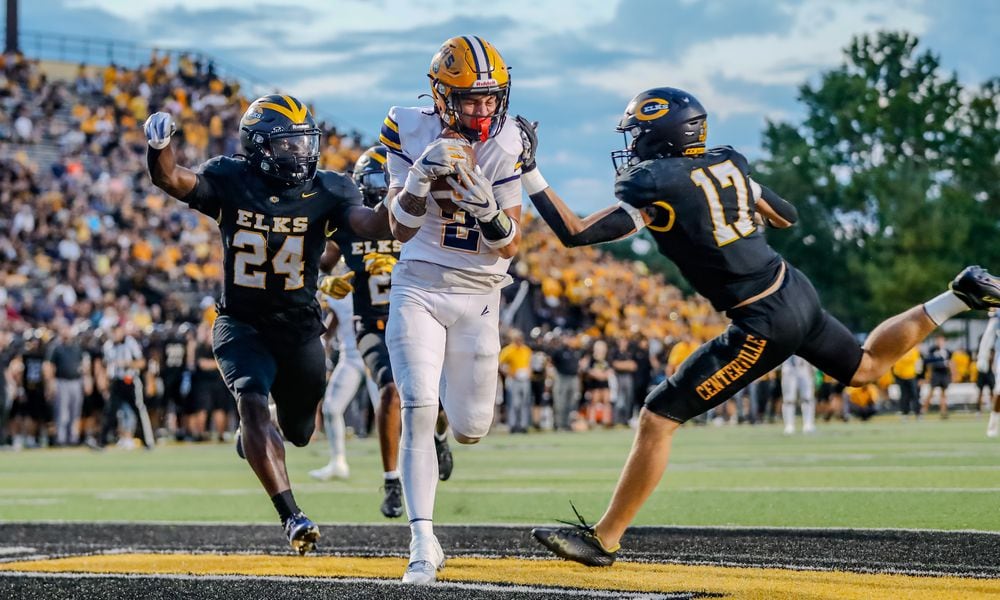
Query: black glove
x=529 y=140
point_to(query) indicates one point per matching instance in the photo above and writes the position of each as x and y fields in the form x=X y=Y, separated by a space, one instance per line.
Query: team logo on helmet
x=653 y=108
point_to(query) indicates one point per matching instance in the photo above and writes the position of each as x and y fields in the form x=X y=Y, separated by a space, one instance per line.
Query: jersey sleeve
x=346 y=196
x=398 y=163
x=507 y=185
x=636 y=187
x=209 y=192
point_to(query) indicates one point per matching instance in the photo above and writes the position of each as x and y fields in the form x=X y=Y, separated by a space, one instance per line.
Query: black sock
x=285 y=504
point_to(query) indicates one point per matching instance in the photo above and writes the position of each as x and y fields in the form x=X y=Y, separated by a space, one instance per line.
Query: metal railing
x=103 y=51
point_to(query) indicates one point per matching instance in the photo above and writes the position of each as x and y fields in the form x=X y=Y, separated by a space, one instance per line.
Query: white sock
x=944 y=307
x=809 y=415
x=788 y=414
x=391 y=475
x=335 y=433
x=994 y=421
x=418 y=463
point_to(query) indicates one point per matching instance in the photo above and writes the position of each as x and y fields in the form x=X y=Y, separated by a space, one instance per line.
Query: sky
x=574 y=64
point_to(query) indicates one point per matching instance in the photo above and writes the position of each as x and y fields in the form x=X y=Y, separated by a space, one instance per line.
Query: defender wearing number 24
x=275 y=211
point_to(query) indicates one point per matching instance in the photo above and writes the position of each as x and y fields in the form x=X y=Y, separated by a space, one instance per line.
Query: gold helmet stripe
x=296 y=115
x=377 y=157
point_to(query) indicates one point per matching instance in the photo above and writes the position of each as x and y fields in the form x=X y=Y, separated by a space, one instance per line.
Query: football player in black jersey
x=370 y=266
x=275 y=212
x=705 y=213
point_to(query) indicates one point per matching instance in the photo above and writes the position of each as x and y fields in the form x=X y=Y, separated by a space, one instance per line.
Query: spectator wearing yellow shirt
x=905 y=371
x=515 y=365
x=679 y=353
x=862 y=400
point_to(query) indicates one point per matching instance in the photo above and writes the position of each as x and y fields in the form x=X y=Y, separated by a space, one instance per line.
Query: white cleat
x=337 y=469
x=426 y=559
x=790 y=430
x=992 y=433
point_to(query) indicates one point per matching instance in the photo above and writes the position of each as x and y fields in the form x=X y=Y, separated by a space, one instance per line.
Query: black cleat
x=392 y=503
x=302 y=533
x=578 y=543
x=239 y=444
x=446 y=463
x=977 y=288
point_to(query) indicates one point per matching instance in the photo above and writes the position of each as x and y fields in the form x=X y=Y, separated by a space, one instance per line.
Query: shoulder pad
x=221 y=166
x=337 y=183
x=411 y=122
x=636 y=186
x=509 y=139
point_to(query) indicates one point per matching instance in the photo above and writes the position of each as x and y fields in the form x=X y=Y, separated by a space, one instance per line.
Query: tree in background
x=895 y=174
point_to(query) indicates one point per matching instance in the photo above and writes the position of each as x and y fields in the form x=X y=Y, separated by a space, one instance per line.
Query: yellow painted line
x=734 y=583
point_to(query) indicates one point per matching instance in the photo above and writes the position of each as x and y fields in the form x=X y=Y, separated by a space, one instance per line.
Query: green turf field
x=929 y=474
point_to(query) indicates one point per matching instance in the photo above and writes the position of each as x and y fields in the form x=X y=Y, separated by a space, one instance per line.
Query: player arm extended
x=606 y=225
x=371 y=223
x=167 y=175
x=776 y=211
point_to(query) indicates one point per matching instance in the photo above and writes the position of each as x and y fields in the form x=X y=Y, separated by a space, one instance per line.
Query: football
x=440 y=190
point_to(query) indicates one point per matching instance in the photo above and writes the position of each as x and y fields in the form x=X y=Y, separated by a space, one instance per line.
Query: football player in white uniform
x=459 y=229
x=341 y=388
x=989 y=348
x=798 y=386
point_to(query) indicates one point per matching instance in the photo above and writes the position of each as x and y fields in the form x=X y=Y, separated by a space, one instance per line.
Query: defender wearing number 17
x=705 y=213
x=275 y=212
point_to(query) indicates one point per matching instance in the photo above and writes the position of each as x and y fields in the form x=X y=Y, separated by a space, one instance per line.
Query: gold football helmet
x=464 y=66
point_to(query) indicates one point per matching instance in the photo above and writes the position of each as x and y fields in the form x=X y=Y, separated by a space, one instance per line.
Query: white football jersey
x=448 y=252
x=344 y=309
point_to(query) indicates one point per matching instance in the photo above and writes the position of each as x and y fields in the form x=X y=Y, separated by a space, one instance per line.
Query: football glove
x=440 y=157
x=529 y=142
x=337 y=286
x=379 y=264
x=474 y=193
x=159 y=127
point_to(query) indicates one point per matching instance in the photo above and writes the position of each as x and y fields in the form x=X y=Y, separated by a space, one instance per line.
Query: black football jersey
x=175 y=357
x=371 y=292
x=272 y=236
x=705 y=222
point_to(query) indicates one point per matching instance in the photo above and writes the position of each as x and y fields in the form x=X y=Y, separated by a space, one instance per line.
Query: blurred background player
x=274 y=210
x=940 y=373
x=457 y=245
x=906 y=371
x=370 y=265
x=798 y=387
x=988 y=361
x=705 y=214
x=345 y=380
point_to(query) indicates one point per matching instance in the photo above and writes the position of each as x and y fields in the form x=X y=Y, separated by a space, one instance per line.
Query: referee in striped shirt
x=123 y=360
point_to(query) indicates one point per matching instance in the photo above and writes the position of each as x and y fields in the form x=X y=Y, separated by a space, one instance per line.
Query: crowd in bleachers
x=107 y=285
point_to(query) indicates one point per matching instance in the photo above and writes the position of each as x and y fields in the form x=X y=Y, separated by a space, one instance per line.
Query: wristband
x=417 y=184
x=533 y=182
x=404 y=218
x=499 y=231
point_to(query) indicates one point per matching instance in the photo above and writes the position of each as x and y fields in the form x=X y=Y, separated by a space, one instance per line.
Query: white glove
x=475 y=193
x=437 y=160
x=159 y=127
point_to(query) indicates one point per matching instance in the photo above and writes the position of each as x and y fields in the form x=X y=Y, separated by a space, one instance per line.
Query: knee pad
x=461 y=438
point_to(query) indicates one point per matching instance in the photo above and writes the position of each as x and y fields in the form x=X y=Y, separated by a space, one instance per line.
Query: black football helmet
x=661 y=122
x=281 y=139
x=370 y=175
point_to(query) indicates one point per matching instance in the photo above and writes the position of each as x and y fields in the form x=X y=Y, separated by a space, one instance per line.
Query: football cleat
x=302 y=533
x=426 y=559
x=446 y=463
x=335 y=469
x=577 y=543
x=977 y=288
x=392 y=502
